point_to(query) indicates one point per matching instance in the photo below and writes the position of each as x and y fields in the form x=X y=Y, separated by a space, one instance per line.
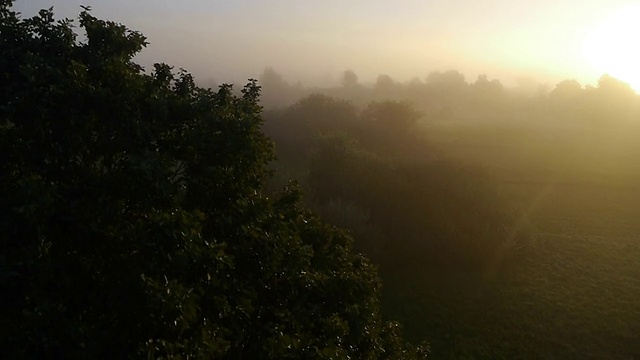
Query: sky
x=315 y=41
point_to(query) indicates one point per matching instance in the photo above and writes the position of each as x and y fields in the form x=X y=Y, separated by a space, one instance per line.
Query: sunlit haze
x=612 y=46
x=312 y=42
x=343 y=179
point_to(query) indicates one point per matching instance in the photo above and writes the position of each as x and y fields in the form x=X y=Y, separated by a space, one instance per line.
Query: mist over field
x=446 y=178
x=503 y=219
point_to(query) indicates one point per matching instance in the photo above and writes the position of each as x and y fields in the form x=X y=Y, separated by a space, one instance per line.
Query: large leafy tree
x=133 y=221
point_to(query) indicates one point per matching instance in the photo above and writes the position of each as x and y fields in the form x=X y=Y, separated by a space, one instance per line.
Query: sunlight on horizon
x=612 y=46
x=545 y=41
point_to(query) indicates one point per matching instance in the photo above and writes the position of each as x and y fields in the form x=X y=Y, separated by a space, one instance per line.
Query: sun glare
x=613 y=46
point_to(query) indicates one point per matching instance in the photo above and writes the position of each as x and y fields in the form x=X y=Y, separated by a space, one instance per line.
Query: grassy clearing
x=576 y=293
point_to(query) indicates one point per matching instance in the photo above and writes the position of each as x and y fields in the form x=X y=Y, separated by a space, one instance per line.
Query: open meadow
x=574 y=295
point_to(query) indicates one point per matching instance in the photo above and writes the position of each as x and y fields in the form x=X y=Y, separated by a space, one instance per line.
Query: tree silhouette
x=349 y=78
x=384 y=83
x=392 y=115
x=133 y=222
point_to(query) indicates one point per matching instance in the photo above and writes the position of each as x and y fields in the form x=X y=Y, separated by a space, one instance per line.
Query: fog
x=503 y=219
x=483 y=156
x=313 y=42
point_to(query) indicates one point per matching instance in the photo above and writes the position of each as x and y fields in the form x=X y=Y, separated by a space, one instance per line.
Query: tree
x=349 y=78
x=392 y=115
x=384 y=83
x=608 y=83
x=614 y=99
x=276 y=91
x=414 y=217
x=567 y=89
x=133 y=222
x=451 y=80
x=488 y=88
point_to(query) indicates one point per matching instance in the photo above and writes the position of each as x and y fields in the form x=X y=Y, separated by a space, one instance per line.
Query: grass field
x=576 y=294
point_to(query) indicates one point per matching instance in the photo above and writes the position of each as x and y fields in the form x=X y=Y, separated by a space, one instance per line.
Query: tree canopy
x=134 y=223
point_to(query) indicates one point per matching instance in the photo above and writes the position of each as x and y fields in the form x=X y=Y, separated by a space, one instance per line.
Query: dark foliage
x=410 y=210
x=133 y=222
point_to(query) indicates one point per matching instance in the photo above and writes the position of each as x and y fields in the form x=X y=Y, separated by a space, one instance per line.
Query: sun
x=613 y=46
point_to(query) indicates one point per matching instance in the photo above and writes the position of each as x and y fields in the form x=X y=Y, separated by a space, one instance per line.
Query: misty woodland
x=148 y=214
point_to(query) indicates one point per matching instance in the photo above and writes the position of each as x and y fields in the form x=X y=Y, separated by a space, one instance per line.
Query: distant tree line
x=448 y=95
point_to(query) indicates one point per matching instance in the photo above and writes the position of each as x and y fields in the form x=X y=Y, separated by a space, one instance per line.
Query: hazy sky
x=313 y=41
